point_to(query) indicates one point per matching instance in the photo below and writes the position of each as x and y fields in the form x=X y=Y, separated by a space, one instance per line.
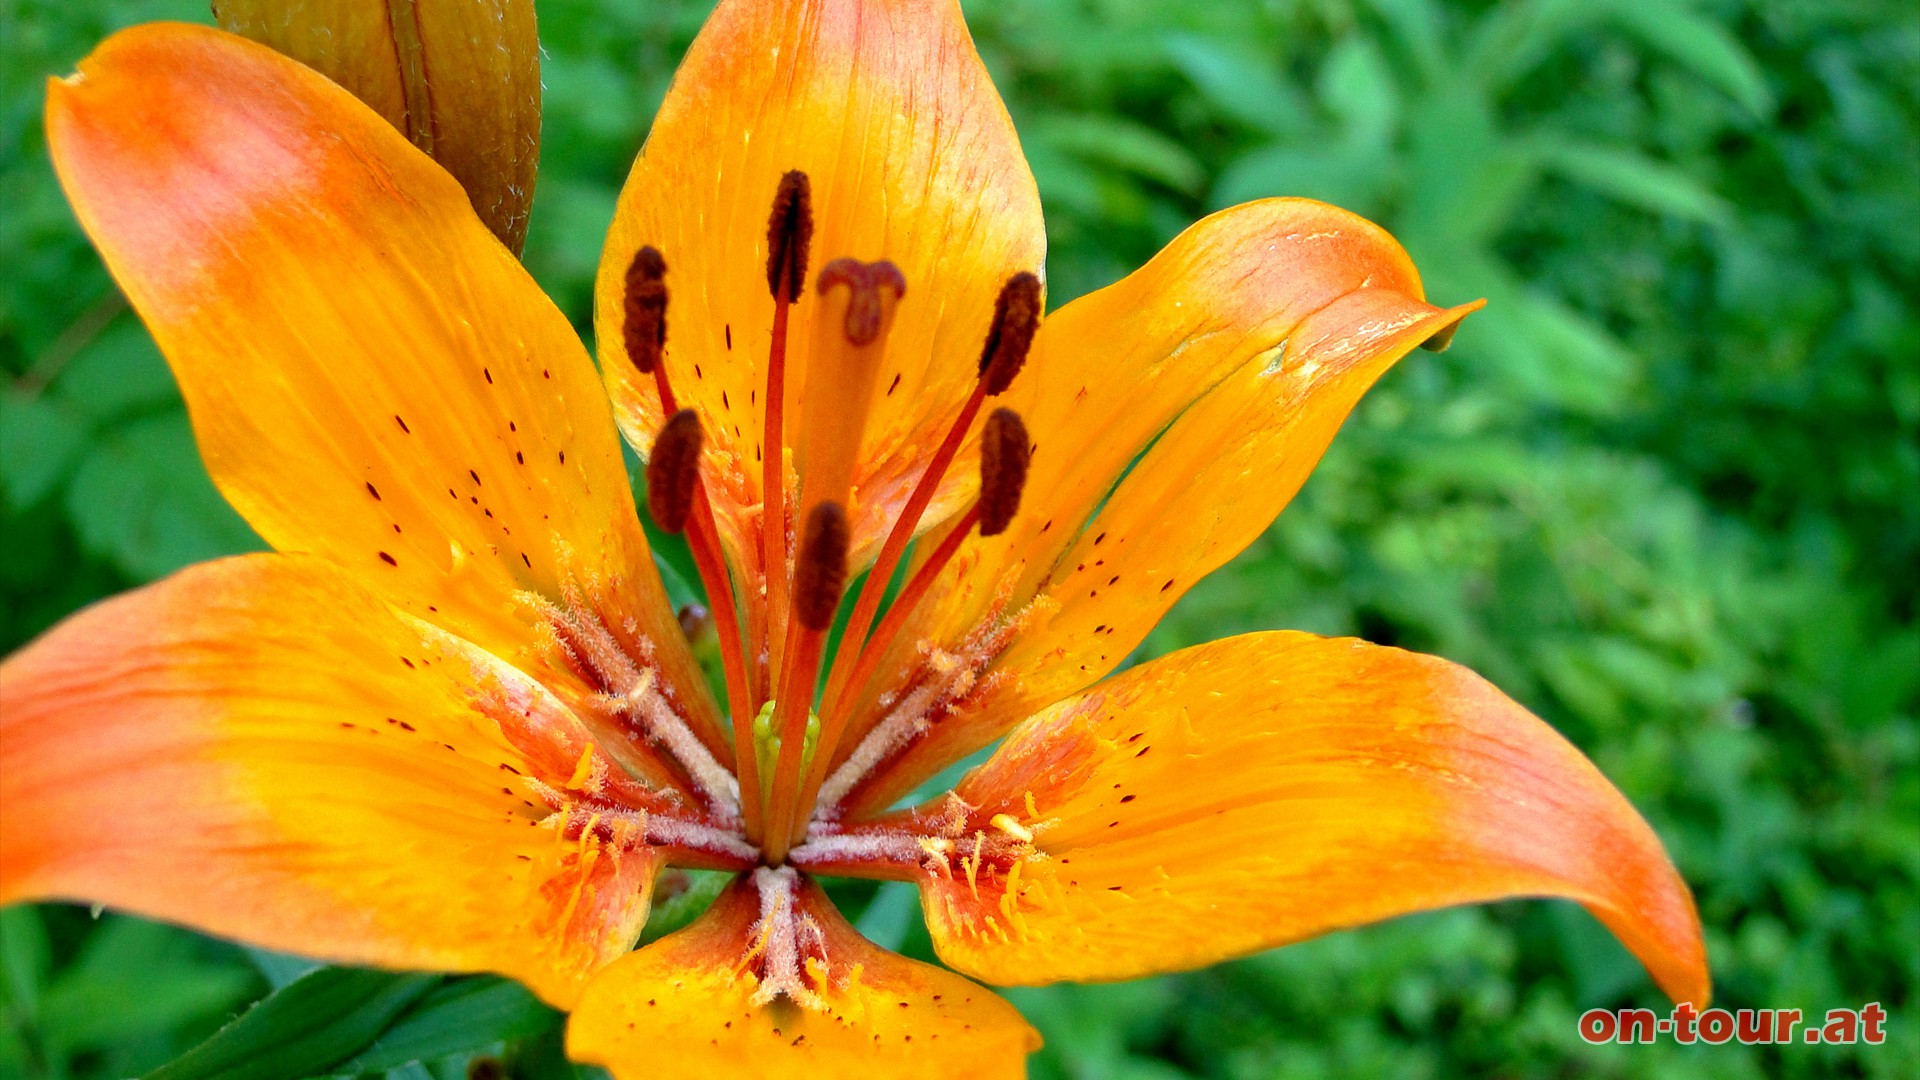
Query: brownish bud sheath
x=460 y=80
x=1016 y=315
x=1004 y=454
x=673 y=470
x=820 y=576
x=790 y=234
x=644 y=330
x=864 y=311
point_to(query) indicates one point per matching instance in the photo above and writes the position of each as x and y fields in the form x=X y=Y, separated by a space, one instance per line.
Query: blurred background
x=1665 y=490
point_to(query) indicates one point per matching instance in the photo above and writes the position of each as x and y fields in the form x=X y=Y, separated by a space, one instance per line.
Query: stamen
x=645 y=335
x=673 y=470
x=789 y=235
x=819 y=579
x=1004 y=454
x=1016 y=318
x=645 y=329
x=789 y=238
x=821 y=575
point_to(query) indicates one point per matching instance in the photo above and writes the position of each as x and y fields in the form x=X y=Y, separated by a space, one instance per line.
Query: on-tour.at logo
x=1684 y=1024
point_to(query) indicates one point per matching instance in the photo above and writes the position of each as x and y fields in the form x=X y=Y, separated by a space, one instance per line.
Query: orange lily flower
x=452 y=723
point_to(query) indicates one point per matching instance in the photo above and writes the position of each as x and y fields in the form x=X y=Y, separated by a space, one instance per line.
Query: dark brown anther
x=820 y=576
x=645 y=329
x=865 y=309
x=673 y=470
x=1004 y=454
x=790 y=234
x=1016 y=315
x=1440 y=341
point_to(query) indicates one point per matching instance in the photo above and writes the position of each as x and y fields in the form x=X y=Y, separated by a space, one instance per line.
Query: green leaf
x=280 y=968
x=1699 y=44
x=118 y=374
x=313 y=1024
x=141 y=498
x=463 y=1015
x=1635 y=179
x=25 y=958
x=673 y=912
x=890 y=915
x=134 y=980
x=39 y=440
x=1125 y=146
x=1357 y=86
x=1244 y=83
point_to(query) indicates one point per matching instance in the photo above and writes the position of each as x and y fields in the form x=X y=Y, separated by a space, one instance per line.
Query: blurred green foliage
x=1665 y=489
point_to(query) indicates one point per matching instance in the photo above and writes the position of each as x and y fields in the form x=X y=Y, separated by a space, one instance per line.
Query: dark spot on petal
x=388 y=559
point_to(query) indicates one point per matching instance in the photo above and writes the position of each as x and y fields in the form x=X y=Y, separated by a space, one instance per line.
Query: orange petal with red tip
x=260 y=749
x=689 y=999
x=370 y=375
x=1174 y=415
x=911 y=157
x=1268 y=788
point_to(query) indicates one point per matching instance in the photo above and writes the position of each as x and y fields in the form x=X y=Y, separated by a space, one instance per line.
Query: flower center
x=788 y=774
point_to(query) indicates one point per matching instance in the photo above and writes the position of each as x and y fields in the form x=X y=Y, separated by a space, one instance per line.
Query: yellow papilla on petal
x=260 y=749
x=912 y=158
x=688 y=999
x=1264 y=789
x=460 y=78
x=1231 y=359
x=370 y=375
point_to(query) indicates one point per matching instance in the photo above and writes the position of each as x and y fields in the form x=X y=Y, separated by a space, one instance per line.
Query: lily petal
x=688 y=998
x=370 y=375
x=1268 y=788
x=460 y=79
x=261 y=749
x=912 y=158
x=1175 y=414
